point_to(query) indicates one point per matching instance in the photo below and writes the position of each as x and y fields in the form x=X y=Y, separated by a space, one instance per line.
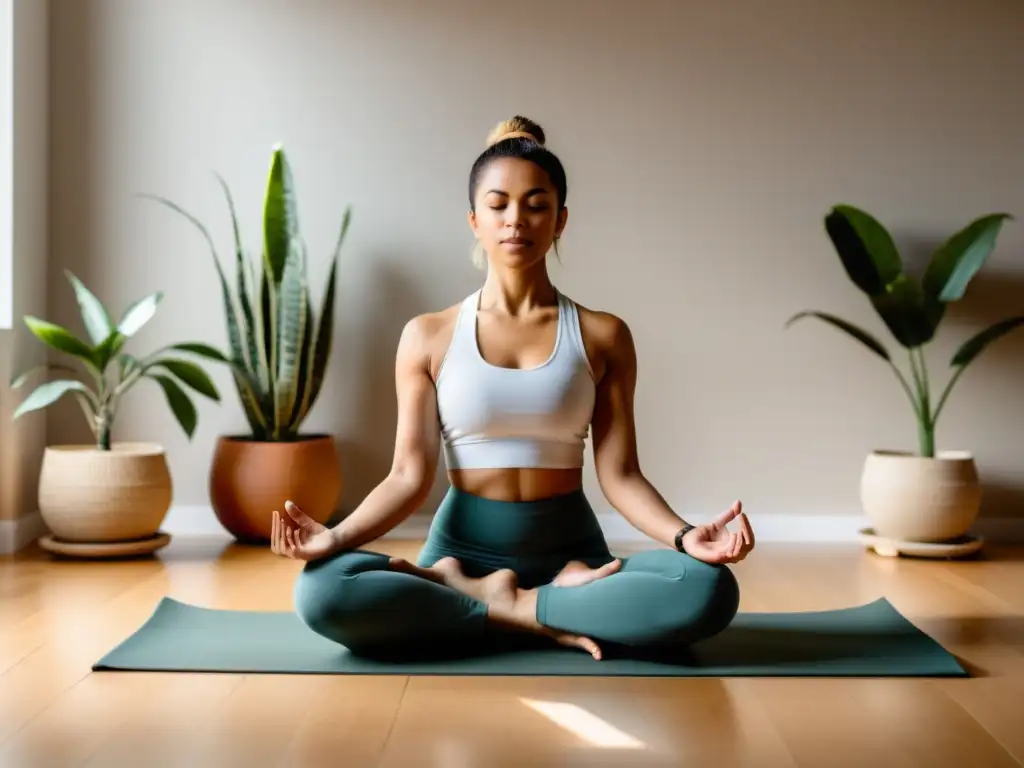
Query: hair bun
x=516 y=127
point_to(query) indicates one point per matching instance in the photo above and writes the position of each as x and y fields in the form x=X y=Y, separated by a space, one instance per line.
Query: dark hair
x=507 y=140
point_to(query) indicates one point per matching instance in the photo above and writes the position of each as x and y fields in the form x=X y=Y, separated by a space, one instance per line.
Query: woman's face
x=517 y=216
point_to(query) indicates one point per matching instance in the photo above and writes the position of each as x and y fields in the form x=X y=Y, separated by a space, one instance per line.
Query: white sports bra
x=494 y=417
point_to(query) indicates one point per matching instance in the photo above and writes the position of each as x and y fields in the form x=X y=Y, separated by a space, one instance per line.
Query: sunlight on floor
x=584 y=724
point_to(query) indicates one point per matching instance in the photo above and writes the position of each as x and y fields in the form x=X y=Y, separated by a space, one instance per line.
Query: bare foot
x=576 y=573
x=507 y=605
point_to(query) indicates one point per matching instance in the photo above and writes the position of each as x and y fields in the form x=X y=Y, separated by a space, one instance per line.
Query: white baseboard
x=197 y=520
x=18 y=533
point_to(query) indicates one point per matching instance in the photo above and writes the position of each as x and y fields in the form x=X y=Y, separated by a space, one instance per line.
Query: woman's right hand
x=298 y=536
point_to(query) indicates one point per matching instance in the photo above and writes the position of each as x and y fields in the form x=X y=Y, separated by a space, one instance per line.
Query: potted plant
x=109 y=497
x=927 y=496
x=279 y=350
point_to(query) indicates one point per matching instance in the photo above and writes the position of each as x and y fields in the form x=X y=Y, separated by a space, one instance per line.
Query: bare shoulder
x=606 y=336
x=425 y=338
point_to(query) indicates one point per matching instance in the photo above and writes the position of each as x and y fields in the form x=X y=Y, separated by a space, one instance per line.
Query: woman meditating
x=510 y=382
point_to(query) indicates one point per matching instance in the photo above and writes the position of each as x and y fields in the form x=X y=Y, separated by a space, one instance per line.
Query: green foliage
x=913 y=311
x=279 y=348
x=105 y=384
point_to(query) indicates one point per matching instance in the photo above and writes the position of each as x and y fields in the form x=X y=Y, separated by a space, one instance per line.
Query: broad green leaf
x=325 y=327
x=47 y=394
x=139 y=313
x=866 y=249
x=958 y=260
x=200 y=349
x=280 y=217
x=109 y=349
x=902 y=308
x=182 y=407
x=192 y=375
x=60 y=339
x=21 y=378
x=974 y=346
x=94 y=316
x=292 y=309
x=862 y=336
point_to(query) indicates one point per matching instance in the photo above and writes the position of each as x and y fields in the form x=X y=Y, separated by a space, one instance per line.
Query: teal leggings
x=658 y=599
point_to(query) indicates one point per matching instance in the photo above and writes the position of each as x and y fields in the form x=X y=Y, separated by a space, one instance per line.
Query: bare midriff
x=516 y=484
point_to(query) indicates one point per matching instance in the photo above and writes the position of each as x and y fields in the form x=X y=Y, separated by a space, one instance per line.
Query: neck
x=515 y=291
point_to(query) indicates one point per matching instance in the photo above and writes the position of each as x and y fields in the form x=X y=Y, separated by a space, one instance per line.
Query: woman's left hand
x=714 y=543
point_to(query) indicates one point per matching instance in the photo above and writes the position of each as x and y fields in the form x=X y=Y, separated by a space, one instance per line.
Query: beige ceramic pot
x=912 y=498
x=88 y=496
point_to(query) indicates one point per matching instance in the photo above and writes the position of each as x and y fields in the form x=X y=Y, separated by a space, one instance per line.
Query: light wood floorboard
x=57 y=617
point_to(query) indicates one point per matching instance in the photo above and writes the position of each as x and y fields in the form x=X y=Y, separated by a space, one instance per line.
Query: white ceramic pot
x=88 y=495
x=911 y=498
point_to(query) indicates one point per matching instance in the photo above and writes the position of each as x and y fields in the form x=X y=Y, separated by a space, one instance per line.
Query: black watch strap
x=679 y=536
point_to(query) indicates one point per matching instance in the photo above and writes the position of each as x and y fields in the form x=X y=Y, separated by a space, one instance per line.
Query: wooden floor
x=58 y=617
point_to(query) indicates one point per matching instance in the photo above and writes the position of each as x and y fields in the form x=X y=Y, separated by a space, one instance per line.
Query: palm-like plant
x=279 y=348
x=911 y=310
x=105 y=384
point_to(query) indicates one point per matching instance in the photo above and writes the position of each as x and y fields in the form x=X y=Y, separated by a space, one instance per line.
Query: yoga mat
x=871 y=640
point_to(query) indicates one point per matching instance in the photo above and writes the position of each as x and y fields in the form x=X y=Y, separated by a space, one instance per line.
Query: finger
x=737 y=545
x=288 y=544
x=747 y=530
x=275 y=527
x=296 y=514
x=727 y=516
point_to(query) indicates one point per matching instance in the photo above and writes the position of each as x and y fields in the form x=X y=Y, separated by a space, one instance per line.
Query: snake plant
x=279 y=347
x=105 y=384
x=912 y=310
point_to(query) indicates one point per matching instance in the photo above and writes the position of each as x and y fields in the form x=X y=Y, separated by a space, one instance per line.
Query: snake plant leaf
x=280 y=215
x=292 y=309
x=94 y=316
x=182 y=407
x=322 y=346
x=241 y=272
x=192 y=375
x=19 y=380
x=975 y=345
x=305 y=355
x=865 y=248
x=234 y=335
x=49 y=393
x=958 y=260
x=859 y=334
x=903 y=310
x=62 y=340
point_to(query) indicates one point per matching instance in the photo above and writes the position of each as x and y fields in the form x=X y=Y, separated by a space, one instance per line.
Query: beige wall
x=704 y=143
x=21 y=443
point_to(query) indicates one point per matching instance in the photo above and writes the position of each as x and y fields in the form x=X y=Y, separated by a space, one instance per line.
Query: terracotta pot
x=89 y=496
x=250 y=479
x=912 y=498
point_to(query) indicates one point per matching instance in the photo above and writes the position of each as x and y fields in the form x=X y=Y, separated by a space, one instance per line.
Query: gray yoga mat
x=871 y=640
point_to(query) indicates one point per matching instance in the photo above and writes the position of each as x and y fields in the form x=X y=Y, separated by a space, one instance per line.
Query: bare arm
x=615 y=450
x=416 y=447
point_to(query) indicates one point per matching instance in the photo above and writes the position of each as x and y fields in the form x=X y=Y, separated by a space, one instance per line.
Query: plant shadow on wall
x=109 y=493
x=279 y=348
x=931 y=496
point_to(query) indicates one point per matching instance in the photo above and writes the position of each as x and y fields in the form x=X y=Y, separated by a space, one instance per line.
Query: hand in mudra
x=298 y=536
x=714 y=543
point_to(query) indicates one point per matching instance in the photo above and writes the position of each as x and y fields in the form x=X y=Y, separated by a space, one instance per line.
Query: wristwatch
x=679 y=536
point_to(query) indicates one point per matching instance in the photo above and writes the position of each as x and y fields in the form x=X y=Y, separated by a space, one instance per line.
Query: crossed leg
x=659 y=598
